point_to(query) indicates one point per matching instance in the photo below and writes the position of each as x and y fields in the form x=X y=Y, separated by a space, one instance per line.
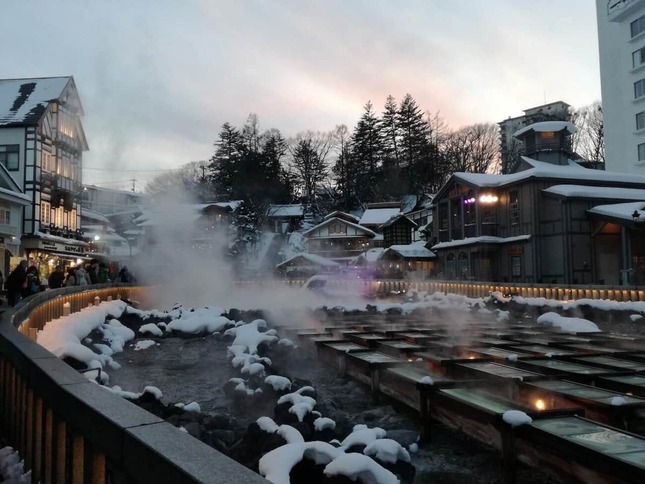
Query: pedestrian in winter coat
x=70 y=280
x=33 y=282
x=103 y=276
x=82 y=278
x=15 y=282
x=56 y=278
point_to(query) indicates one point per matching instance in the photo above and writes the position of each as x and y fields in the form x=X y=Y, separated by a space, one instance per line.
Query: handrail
x=69 y=429
x=479 y=289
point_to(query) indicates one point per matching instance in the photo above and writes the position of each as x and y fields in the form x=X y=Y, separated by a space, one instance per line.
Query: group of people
x=25 y=281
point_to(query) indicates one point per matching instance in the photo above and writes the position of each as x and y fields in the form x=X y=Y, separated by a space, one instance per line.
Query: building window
x=514 y=206
x=5 y=214
x=638 y=57
x=337 y=229
x=639 y=88
x=9 y=155
x=641 y=152
x=637 y=26
x=47 y=164
x=516 y=266
x=45 y=213
x=640 y=120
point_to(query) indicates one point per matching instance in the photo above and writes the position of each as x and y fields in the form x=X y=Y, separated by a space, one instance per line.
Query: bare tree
x=188 y=183
x=589 y=140
x=473 y=149
x=309 y=151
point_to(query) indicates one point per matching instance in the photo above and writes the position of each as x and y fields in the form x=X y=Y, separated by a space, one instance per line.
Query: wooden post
x=78 y=459
x=509 y=457
x=61 y=451
x=376 y=375
x=49 y=445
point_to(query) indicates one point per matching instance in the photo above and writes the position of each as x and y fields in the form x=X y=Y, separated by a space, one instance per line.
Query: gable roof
x=542 y=170
x=344 y=215
x=410 y=251
x=329 y=221
x=313 y=258
x=24 y=101
x=398 y=218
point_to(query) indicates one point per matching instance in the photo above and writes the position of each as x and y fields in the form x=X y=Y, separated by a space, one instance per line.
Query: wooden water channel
x=584 y=392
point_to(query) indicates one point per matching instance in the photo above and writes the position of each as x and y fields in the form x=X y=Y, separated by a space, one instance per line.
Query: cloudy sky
x=158 y=78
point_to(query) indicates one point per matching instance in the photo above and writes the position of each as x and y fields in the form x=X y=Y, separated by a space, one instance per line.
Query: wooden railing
x=482 y=289
x=70 y=430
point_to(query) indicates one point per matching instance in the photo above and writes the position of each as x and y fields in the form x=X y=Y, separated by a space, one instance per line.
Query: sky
x=158 y=78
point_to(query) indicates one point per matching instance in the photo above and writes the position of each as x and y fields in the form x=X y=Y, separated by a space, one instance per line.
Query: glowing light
x=469 y=201
x=79 y=262
x=96 y=237
x=539 y=404
x=488 y=198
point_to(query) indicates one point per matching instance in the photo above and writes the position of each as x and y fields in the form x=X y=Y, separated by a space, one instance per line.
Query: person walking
x=56 y=278
x=33 y=282
x=70 y=280
x=103 y=277
x=16 y=282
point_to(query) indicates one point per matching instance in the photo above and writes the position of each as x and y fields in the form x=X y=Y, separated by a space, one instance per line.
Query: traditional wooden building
x=540 y=224
x=339 y=237
x=41 y=144
x=399 y=230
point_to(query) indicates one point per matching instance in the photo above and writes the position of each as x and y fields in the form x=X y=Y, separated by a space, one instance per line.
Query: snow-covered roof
x=540 y=169
x=584 y=191
x=484 y=239
x=398 y=217
x=378 y=216
x=546 y=126
x=416 y=250
x=313 y=258
x=620 y=211
x=23 y=101
x=94 y=215
x=290 y=210
x=368 y=232
x=370 y=255
x=340 y=214
x=230 y=206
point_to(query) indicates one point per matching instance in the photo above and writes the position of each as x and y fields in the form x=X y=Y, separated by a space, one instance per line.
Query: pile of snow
x=143 y=344
x=570 y=325
x=63 y=336
x=249 y=336
x=12 y=468
x=203 y=320
x=515 y=418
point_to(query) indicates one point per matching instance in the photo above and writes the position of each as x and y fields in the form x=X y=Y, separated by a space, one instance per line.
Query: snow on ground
x=569 y=325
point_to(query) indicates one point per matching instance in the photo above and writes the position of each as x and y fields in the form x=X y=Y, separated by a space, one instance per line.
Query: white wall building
x=41 y=147
x=621 y=42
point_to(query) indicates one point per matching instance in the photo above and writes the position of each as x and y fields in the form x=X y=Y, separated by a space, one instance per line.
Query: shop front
x=46 y=252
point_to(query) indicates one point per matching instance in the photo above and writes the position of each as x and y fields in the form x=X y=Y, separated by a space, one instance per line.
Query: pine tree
x=223 y=164
x=345 y=185
x=416 y=151
x=366 y=155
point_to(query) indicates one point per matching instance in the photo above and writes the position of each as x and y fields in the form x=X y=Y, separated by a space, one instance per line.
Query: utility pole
x=133 y=180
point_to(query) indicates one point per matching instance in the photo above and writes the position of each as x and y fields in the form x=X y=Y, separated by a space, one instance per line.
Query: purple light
x=469 y=201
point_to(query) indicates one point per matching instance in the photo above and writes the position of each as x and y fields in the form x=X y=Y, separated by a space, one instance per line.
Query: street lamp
x=636 y=216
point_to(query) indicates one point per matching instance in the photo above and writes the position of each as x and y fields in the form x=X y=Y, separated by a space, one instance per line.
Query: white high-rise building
x=621 y=40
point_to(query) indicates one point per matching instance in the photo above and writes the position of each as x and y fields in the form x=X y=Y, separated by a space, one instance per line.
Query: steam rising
x=186 y=262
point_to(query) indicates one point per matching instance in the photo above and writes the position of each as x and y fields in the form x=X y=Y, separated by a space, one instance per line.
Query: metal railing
x=70 y=430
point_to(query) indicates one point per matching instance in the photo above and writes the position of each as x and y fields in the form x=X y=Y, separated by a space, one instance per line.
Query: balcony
x=617 y=10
